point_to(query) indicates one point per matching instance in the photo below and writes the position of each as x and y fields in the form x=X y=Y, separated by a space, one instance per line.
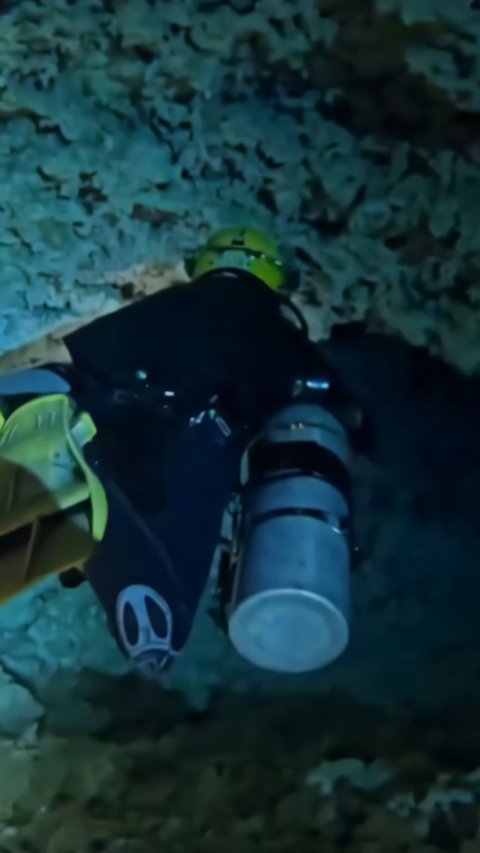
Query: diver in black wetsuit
x=179 y=385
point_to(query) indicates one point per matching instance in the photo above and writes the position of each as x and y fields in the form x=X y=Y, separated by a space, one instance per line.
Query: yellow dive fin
x=53 y=508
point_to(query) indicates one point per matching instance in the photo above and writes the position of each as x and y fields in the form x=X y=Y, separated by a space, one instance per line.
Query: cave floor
x=301 y=774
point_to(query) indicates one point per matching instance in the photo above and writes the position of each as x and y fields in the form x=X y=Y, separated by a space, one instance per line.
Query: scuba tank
x=286 y=590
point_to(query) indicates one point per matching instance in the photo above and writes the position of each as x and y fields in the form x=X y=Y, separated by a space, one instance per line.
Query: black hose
x=302 y=323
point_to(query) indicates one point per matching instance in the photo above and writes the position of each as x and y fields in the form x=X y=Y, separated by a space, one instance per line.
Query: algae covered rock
x=194 y=789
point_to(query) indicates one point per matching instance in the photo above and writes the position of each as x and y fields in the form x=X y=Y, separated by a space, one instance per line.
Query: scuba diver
x=197 y=422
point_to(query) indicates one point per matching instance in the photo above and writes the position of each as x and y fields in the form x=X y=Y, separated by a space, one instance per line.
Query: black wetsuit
x=146 y=374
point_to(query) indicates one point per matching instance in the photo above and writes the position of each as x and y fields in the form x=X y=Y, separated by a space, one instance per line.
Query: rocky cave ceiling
x=131 y=128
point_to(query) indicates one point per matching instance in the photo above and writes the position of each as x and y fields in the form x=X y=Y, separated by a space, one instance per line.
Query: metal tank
x=290 y=606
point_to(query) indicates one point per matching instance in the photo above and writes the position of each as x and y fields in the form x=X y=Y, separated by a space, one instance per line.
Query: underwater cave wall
x=130 y=129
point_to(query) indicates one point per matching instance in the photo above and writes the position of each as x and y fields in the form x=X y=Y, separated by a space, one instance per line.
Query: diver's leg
x=152 y=567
